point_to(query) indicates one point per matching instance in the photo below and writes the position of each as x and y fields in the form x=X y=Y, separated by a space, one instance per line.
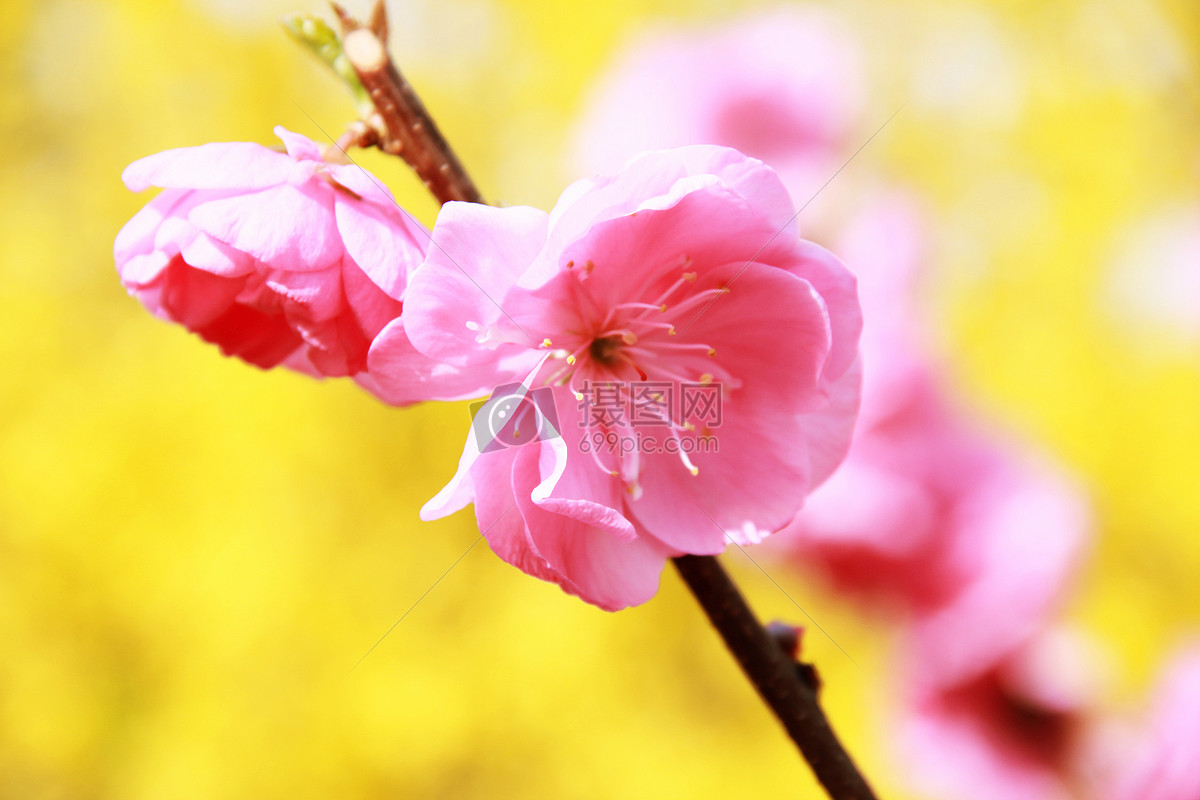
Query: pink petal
x=219 y=165
x=602 y=569
x=364 y=184
x=712 y=227
x=478 y=253
x=206 y=253
x=839 y=290
x=383 y=243
x=143 y=269
x=337 y=348
x=136 y=237
x=583 y=491
x=312 y=296
x=372 y=309
x=298 y=147
x=830 y=429
x=1162 y=765
x=264 y=340
x=1021 y=535
x=402 y=375
x=783 y=86
x=499 y=517
x=660 y=179
x=286 y=227
x=175 y=231
x=195 y=298
x=752 y=485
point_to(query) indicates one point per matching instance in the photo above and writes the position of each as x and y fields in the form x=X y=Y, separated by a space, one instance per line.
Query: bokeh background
x=195 y=555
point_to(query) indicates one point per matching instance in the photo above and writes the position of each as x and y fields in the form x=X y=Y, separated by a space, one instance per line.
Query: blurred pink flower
x=972 y=543
x=684 y=269
x=276 y=258
x=1008 y=732
x=1161 y=759
x=783 y=86
x=971 y=540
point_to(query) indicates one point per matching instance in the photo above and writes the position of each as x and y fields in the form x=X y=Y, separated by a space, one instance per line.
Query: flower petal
x=760 y=481
x=604 y=570
x=659 y=179
x=136 y=237
x=385 y=244
x=401 y=375
x=298 y=146
x=478 y=253
x=286 y=227
x=218 y=165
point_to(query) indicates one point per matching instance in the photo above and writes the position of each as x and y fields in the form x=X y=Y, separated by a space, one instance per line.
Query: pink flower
x=276 y=258
x=1160 y=759
x=1016 y=542
x=783 y=86
x=1008 y=732
x=684 y=269
x=972 y=541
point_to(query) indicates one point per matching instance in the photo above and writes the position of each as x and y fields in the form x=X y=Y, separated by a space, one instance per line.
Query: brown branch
x=774 y=676
x=404 y=126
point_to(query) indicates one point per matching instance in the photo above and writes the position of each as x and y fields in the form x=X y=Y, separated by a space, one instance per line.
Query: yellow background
x=194 y=554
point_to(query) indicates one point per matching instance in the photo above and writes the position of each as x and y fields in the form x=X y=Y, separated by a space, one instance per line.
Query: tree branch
x=403 y=125
x=774 y=677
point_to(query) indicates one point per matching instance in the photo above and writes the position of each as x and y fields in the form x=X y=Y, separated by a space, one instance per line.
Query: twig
x=404 y=126
x=774 y=676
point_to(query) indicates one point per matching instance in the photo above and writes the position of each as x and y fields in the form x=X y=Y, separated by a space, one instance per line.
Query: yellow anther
x=570 y=359
x=706 y=379
x=545 y=342
x=712 y=351
x=662 y=309
x=629 y=337
x=694 y=470
x=671 y=332
x=690 y=277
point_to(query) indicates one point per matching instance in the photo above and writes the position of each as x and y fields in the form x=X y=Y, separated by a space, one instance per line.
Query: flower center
x=631 y=348
x=604 y=350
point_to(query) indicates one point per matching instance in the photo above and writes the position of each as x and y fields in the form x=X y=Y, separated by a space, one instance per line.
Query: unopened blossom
x=784 y=86
x=277 y=258
x=683 y=269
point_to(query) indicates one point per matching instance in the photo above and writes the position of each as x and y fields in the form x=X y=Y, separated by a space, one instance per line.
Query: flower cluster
x=684 y=269
x=966 y=540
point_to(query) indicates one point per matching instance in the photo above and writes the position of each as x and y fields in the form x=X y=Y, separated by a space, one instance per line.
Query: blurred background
x=195 y=555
